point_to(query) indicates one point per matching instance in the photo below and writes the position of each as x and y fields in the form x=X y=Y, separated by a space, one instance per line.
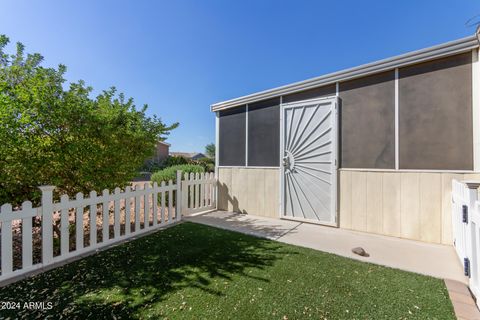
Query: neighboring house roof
x=438 y=51
x=188 y=155
x=164 y=143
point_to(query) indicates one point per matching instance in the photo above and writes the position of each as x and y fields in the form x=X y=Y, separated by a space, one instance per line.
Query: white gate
x=309 y=155
x=466 y=230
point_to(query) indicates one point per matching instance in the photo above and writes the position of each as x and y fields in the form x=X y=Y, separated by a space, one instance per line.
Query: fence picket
x=7 y=253
x=207 y=191
x=211 y=181
x=47 y=221
x=202 y=190
x=146 y=205
x=191 y=198
x=163 y=215
x=197 y=192
x=154 y=204
x=27 y=235
x=116 y=215
x=178 y=196
x=64 y=224
x=137 y=210
x=105 y=216
x=79 y=222
x=128 y=211
x=93 y=220
x=185 y=193
x=170 y=202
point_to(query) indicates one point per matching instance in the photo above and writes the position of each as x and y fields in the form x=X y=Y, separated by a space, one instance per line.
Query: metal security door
x=309 y=155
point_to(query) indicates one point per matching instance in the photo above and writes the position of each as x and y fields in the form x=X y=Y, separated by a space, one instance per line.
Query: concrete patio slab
x=435 y=260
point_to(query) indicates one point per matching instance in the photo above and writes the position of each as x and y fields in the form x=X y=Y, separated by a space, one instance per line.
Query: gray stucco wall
x=367 y=122
x=435 y=114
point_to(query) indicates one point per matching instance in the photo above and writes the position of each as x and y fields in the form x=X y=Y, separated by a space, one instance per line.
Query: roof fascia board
x=438 y=51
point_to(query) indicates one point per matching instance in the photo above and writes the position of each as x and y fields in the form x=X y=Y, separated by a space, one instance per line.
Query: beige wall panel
x=242 y=191
x=391 y=204
x=249 y=190
x=374 y=202
x=359 y=201
x=224 y=189
x=472 y=176
x=345 y=197
x=430 y=207
x=410 y=205
x=270 y=196
x=239 y=187
x=221 y=190
x=256 y=191
x=274 y=196
x=401 y=204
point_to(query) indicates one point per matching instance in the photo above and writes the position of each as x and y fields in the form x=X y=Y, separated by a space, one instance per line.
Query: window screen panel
x=232 y=125
x=264 y=133
x=435 y=114
x=367 y=122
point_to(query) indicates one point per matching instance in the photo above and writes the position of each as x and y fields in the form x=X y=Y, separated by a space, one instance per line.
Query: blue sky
x=181 y=56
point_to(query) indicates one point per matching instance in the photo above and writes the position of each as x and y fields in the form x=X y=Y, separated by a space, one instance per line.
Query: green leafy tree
x=210 y=150
x=63 y=137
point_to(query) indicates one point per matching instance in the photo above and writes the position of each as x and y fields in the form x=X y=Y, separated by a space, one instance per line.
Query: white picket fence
x=108 y=218
x=466 y=230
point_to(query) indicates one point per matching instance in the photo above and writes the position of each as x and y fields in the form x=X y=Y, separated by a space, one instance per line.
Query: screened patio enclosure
x=372 y=148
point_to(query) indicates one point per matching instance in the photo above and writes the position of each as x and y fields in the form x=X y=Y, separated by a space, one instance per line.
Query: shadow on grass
x=123 y=281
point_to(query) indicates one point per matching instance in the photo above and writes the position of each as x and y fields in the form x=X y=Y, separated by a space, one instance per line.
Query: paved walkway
x=434 y=260
x=439 y=261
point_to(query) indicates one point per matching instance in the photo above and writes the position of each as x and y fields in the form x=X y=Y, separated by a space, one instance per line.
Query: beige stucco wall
x=412 y=205
x=249 y=190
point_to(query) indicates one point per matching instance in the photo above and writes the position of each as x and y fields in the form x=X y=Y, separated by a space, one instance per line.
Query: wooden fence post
x=178 y=200
x=47 y=224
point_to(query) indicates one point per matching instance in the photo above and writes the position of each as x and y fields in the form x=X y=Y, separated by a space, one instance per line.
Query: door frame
x=335 y=164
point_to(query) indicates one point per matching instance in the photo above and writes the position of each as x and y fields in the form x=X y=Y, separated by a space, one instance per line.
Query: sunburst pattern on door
x=308 y=160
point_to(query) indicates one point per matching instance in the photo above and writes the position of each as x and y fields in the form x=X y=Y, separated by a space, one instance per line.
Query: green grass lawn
x=192 y=271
